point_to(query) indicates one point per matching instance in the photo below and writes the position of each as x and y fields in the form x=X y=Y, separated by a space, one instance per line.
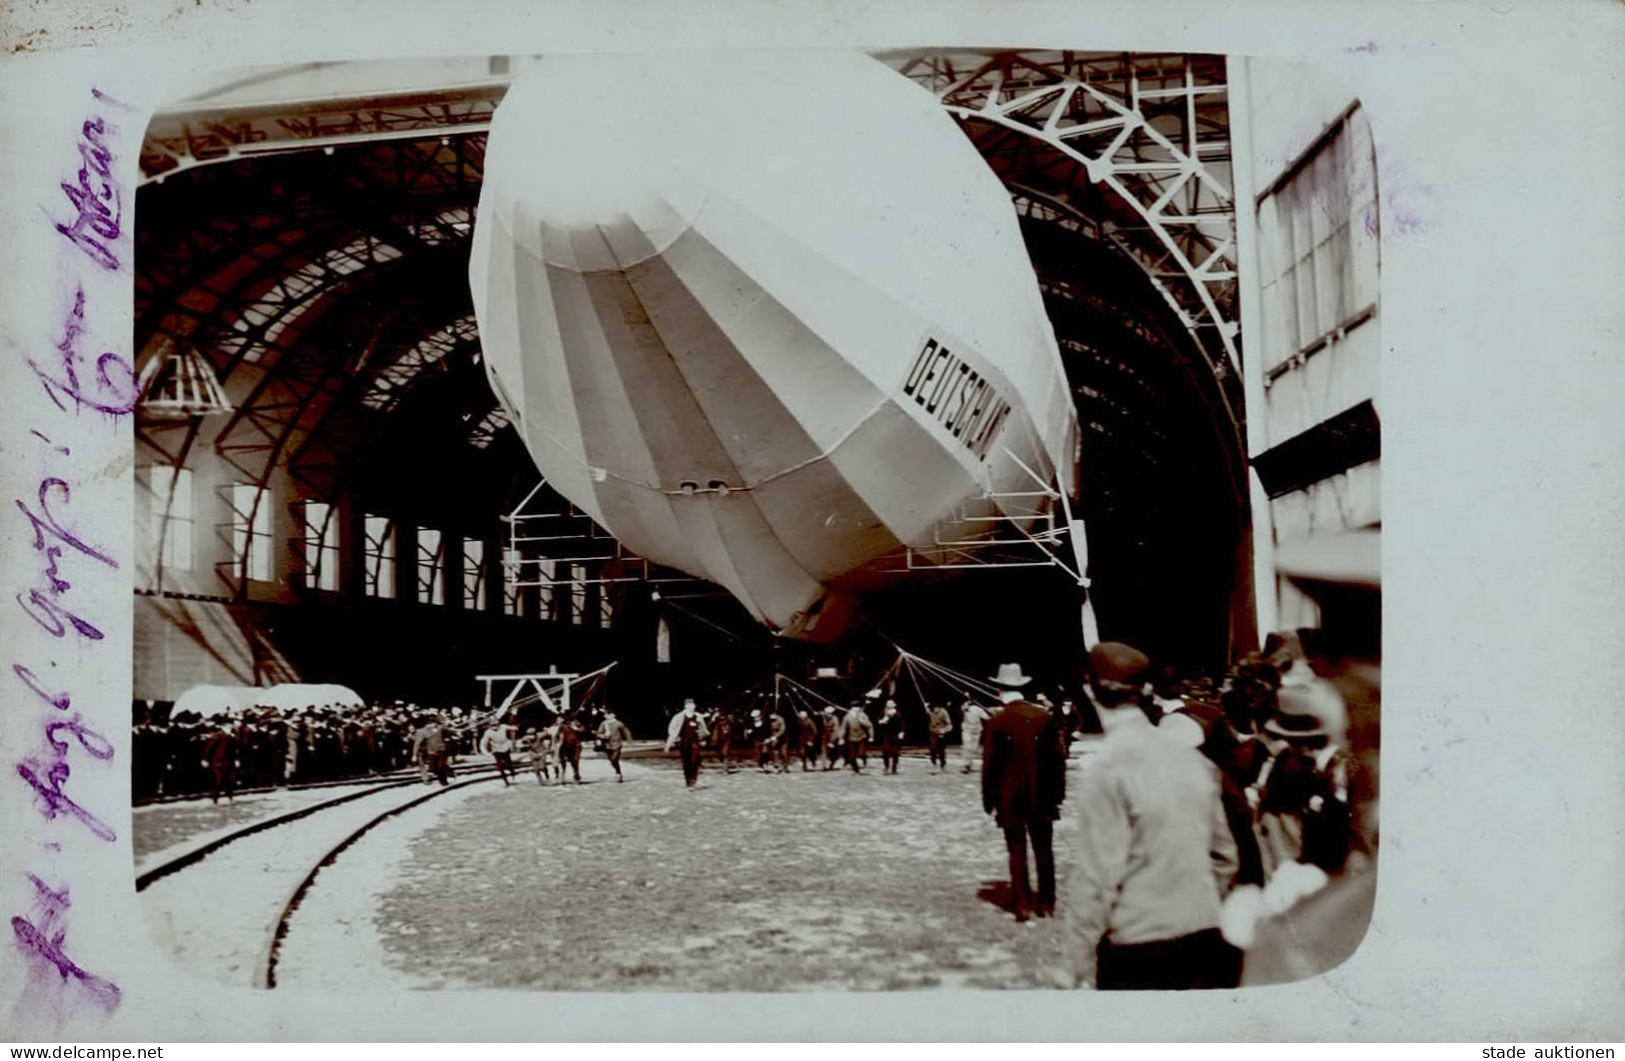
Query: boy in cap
x=1155 y=854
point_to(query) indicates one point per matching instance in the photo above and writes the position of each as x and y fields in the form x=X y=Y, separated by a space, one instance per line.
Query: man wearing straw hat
x=1023 y=785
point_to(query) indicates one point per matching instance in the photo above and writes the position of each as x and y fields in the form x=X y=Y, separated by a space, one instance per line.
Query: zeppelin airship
x=766 y=317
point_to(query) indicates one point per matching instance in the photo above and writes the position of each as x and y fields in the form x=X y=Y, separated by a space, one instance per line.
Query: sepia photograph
x=779 y=520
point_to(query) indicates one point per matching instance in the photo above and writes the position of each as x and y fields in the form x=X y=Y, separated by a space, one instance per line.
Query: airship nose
x=592 y=195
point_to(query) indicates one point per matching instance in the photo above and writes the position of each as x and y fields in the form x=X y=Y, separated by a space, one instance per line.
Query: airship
x=766 y=317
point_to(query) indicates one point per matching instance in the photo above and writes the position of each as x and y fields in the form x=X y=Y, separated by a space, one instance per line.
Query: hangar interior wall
x=1312 y=322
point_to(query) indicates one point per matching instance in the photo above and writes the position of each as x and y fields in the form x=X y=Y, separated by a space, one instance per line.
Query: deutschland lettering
x=956 y=396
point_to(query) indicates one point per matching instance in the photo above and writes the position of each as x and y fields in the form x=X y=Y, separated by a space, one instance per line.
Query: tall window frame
x=380 y=557
x=252 y=543
x=474 y=574
x=321 y=544
x=1319 y=242
x=431 y=566
x=173 y=517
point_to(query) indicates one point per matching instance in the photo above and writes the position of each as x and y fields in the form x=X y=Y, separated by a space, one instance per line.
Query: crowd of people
x=1209 y=811
x=188 y=754
x=1210 y=806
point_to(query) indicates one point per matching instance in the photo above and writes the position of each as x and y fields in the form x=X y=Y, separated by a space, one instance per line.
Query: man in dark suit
x=1023 y=785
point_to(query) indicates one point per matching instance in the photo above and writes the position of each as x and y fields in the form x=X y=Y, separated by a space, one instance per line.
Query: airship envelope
x=767 y=318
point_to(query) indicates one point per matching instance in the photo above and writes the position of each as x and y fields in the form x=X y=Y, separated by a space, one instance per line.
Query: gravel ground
x=751 y=882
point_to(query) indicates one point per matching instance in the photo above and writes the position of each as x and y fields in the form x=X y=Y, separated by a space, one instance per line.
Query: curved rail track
x=280 y=930
x=146 y=878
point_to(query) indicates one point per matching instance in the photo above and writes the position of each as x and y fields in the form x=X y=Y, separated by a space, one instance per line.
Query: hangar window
x=431 y=566
x=606 y=611
x=513 y=593
x=380 y=557
x=172 y=514
x=251 y=532
x=546 y=601
x=473 y=574
x=1317 y=237
x=576 y=603
x=321 y=546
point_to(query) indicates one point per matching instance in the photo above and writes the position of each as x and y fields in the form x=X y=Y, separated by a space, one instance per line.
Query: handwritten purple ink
x=96 y=197
x=116 y=398
x=46 y=940
x=54 y=801
x=60 y=701
x=50 y=538
x=60 y=449
x=111 y=389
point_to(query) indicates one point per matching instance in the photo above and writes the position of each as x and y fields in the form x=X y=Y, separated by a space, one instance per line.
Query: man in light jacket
x=687 y=733
x=1154 y=854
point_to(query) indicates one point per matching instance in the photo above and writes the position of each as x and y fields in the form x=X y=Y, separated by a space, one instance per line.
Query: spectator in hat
x=1155 y=855
x=1302 y=792
x=221 y=751
x=1023 y=786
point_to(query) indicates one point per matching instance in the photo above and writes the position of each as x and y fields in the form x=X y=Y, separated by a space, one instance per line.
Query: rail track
x=242 y=939
x=280 y=930
x=146 y=878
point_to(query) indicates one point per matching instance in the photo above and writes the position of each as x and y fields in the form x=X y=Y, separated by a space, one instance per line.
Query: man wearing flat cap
x=1155 y=854
x=1023 y=784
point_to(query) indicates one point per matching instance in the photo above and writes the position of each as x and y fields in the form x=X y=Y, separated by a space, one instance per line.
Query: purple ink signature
x=95 y=195
x=65 y=549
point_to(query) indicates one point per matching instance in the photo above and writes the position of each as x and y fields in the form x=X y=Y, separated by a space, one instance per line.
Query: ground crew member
x=570 y=732
x=687 y=734
x=498 y=743
x=778 y=741
x=722 y=731
x=613 y=732
x=938 y=725
x=856 y=730
x=807 y=734
x=829 y=731
x=890 y=728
